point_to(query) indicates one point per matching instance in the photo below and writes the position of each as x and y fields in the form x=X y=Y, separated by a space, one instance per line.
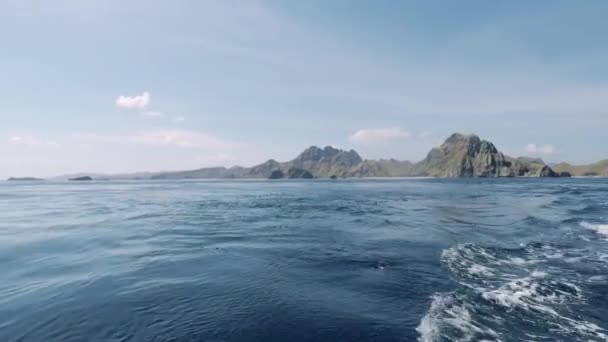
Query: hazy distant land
x=459 y=156
x=24 y=179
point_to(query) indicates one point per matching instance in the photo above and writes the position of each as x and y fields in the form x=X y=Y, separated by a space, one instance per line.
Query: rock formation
x=469 y=156
x=465 y=156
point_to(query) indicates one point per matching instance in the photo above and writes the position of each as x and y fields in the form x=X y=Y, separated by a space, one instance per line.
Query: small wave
x=601 y=229
x=451 y=318
x=531 y=293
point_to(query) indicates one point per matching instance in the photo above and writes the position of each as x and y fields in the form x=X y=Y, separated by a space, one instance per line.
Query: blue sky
x=122 y=86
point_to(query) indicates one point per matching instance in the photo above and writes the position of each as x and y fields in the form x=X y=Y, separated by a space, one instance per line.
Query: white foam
x=480 y=270
x=517 y=261
x=597 y=279
x=446 y=312
x=463 y=260
x=531 y=293
x=539 y=274
x=601 y=229
x=527 y=282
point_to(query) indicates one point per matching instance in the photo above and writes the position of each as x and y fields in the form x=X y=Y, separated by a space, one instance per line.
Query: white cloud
x=137 y=101
x=30 y=140
x=370 y=136
x=179 y=118
x=152 y=114
x=540 y=149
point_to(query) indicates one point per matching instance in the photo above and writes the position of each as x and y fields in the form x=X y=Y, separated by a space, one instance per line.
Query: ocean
x=316 y=260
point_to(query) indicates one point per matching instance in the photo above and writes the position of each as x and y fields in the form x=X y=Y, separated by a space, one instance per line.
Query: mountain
x=469 y=156
x=260 y=171
x=312 y=162
x=465 y=156
x=326 y=162
x=459 y=156
x=596 y=169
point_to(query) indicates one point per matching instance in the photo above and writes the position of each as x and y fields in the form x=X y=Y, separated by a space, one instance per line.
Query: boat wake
x=601 y=229
x=532 y=293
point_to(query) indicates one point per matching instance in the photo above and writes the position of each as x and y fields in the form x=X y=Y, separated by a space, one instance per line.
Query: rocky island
x=459 y=156
x=80 y=179
x=469 y=156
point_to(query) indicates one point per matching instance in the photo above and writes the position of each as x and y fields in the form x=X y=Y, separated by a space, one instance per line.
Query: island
x=24 y=179
x=80 y=179
x=459 y=156
x=598 y=169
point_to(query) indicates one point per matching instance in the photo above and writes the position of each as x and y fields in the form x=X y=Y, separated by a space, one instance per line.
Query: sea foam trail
x=450 y=317
x=508 y=291
x=601 y=229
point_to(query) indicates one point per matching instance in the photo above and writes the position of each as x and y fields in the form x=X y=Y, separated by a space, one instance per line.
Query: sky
x=121 y=86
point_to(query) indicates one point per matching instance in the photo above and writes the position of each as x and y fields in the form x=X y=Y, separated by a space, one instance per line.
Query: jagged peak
x=459 y=137
x=270 y=162
x=326 y=151
x=328 y=154
x=471 y=142
x=312 y=148
x=331 y=149
x=312 y=153
x=328 y=148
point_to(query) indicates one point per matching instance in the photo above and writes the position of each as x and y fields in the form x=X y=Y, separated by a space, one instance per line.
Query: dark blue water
x=361 y=260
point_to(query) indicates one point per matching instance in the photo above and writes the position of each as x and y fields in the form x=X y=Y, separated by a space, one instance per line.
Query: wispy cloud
x=171 y=148
x=370 y=136
x=137 y=101
x=535 y=149
x=30 y=140
x=152 y=114
x=179 y=118
x=166 y=137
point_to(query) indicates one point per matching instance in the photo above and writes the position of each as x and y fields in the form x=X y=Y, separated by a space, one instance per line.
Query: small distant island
x=80 y=179
x=24 y=179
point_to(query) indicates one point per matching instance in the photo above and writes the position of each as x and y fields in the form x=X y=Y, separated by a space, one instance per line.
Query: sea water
x=318 y=260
